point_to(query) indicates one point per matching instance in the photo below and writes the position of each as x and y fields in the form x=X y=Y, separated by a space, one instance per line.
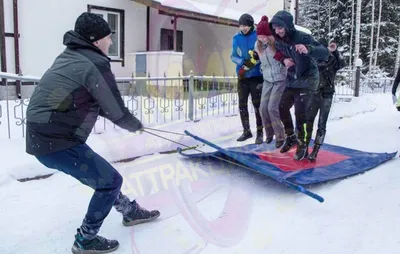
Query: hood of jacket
x=283 y=19
x=73 y=40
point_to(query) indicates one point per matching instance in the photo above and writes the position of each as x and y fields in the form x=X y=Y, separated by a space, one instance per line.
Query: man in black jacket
x=394 y=88
x=322 y=100
x=63 y=109
x=302 y=78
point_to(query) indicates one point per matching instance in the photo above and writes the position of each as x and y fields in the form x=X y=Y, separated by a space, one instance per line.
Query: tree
x=358 y=31
x=372 y=36
x=336 y=20
x=377 y=34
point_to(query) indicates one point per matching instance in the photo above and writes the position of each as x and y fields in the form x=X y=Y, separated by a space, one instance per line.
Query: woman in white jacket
x=274 y=73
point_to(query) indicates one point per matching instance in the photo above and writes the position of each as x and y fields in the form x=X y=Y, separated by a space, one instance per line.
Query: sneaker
x=246 y=135
x=301 y=151
x=97 y=245
x=139 y=215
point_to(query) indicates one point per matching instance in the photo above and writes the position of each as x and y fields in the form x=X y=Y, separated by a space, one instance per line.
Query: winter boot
x=319 y=139
x=301 y=151
x=269 y=139
x=97 y=245
x=314 y=153
x=246 y=135
x=259 y=137
x=290 y=141
x=279 y=143
x=139 y=215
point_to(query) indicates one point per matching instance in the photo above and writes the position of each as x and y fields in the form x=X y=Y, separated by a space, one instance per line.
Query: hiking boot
x=97 y=245
x=279 y=143
x=269 y=139
x=290 y=141
x=259 y=138
x=246 y=135
x=301 y=151
x=313 y=155
x=139 y=215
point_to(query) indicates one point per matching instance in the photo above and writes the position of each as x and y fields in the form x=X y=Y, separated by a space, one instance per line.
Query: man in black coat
x=303 y=78
x=394 y=89
x=322 y=99
x=63 y=109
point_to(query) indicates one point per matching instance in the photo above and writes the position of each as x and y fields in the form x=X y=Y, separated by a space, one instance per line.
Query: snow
x=223 y=209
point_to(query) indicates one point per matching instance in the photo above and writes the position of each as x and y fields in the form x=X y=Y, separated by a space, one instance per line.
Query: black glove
x=249 y=64
x=256 y=56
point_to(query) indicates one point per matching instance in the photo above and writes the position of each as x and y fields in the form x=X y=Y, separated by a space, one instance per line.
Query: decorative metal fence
x=159 y=100
x=153 y=100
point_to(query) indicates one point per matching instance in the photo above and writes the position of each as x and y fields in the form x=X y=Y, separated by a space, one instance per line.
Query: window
x=115 y=18
x=167 y=40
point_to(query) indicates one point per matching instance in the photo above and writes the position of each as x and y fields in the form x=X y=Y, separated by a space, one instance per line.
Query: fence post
x=191 y=99
x=358 y=65
x=8 y=111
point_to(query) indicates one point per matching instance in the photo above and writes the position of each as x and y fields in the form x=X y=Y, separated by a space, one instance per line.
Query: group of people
x=282 y=67
x=275 y=64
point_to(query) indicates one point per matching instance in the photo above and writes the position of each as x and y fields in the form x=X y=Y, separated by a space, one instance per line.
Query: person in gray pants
x=274 y=74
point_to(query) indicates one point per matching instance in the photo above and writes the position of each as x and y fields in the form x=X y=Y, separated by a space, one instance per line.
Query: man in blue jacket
x=249 y=74
x=303 y=79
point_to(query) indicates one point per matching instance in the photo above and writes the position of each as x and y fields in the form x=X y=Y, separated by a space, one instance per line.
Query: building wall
x=207 y=47
x=42 y=24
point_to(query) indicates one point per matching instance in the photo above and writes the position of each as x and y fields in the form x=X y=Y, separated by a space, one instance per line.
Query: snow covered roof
x=223 y=9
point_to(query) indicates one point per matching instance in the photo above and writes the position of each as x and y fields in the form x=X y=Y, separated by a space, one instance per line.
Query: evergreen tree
x=314 y=14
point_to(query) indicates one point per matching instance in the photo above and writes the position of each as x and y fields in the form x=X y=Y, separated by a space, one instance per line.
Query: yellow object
x=251 y=53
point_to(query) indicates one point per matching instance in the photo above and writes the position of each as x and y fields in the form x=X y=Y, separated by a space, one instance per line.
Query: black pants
x=246 y=87
x=300 y=99
x=322 y=103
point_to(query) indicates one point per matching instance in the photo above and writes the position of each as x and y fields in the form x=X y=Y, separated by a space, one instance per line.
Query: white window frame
x=118 y=30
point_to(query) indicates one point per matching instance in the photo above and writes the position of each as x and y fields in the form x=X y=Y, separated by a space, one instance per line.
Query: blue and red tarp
x=333 y=162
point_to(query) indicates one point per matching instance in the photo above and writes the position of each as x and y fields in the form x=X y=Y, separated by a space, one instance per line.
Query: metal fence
x=159 y=100
x=346 y=84
x=153 y=100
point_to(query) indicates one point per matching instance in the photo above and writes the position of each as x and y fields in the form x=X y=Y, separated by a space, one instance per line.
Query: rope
x=216 y=157
x=170 y=132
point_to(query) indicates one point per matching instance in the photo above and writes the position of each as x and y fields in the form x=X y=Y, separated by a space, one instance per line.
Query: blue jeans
x=82 y=163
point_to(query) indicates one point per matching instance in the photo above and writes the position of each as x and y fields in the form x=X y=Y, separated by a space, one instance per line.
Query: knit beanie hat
x=246 y=20
x=92 y=27
x=263 y=27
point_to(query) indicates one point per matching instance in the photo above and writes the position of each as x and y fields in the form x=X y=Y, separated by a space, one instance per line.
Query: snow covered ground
x=205 y=209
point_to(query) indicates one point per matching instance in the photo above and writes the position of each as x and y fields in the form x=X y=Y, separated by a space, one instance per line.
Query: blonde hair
x=270 y=43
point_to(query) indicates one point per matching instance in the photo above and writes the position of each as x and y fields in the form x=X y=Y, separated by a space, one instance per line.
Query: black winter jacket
x=327 y=72
x=304 y=74
x=70 y=96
